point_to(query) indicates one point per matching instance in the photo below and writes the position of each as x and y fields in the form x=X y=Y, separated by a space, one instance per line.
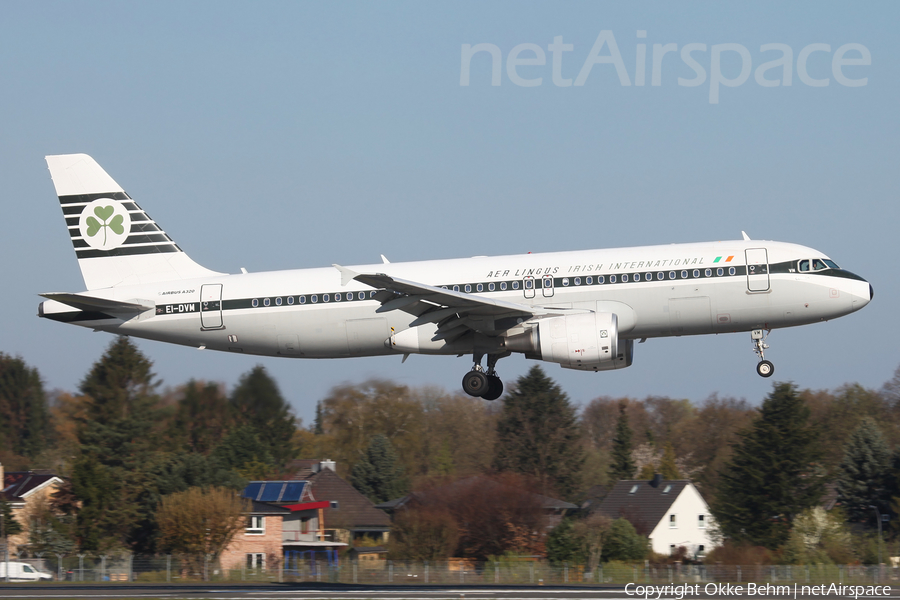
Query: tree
x=10 y=525
x=378 y=475
x=423 y=533
x=622 y=466
x=244 y=452
x=563 y=545
x=202 y=417
x=863 y=478
x=772 y=475
x=623 y=542
x=819 y=537
x=592 y=533
x=668 y=466
x=24 y=416
x=201 y=521
x=538 y=435
x=258 y=402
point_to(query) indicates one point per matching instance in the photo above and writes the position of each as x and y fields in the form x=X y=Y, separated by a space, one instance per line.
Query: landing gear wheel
x=494 y=389
x=765 y=368
x=475 y=383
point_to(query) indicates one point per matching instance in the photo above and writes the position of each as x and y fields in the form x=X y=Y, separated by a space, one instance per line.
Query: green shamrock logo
x=104 y=213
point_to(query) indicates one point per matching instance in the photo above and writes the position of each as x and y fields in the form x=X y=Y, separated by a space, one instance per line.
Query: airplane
x=582 y=310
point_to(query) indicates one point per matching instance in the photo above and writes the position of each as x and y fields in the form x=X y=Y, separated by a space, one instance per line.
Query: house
x=28 y=493
x=671 y=513
x=349 y=517
x=260 y=543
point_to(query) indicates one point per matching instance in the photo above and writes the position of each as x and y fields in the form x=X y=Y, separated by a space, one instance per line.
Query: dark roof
x=546 y=501
x=17 y=484
x=641 y=503
x=302 y=468
x=354 y=510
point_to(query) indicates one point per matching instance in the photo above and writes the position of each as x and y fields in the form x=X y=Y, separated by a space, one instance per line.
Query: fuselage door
x=757 y=269
x=528 y=286
x=211 y=306
x=547 y=285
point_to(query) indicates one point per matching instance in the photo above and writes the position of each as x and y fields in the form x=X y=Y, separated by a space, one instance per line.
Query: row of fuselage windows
x=528 y=284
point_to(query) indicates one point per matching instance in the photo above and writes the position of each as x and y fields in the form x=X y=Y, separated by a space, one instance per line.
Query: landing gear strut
x=765 y=368
x=483 y=384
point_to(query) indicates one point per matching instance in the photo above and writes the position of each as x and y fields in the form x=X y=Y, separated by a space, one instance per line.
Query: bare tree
x=200 y=521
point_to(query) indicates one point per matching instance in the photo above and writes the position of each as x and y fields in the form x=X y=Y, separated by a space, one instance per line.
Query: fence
x=175 y=568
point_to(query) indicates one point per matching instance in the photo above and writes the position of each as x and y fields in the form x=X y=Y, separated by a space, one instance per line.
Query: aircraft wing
x=457 y=311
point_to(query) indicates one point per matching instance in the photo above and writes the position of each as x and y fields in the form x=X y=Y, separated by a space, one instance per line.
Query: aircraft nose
x=871 y=292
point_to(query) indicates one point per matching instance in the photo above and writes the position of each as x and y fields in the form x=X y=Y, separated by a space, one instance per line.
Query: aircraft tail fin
x=115 y=241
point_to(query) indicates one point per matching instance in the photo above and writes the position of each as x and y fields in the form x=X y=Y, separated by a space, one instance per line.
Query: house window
x=672 y=522
x=700 y=549
x=304 y=525
x=256 y=560
x=701 y=521
x=256 y=526
x=634 y=489
x=335 y=504
x=667 y=489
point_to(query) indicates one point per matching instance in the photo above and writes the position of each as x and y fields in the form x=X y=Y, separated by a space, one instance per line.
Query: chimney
x=326 y=464
x=657 y=479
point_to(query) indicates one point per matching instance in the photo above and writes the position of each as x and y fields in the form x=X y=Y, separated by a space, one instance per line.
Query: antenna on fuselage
x=746 y=237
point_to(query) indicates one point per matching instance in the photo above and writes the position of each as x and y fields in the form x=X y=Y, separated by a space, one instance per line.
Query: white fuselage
x=656 y=291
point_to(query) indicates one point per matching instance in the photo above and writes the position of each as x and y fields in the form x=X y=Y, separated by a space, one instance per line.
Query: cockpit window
x=830 y=263
x=818 y=264
x=804 y=265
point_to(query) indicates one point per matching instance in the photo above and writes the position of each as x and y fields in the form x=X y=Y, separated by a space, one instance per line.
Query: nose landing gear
x=764 y=368
x=481 y=384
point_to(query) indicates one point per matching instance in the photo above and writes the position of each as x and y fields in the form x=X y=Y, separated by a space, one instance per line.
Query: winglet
x=347 y=275
x=746 y=237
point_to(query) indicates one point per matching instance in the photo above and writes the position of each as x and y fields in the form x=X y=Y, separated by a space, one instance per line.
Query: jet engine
x=589 y=342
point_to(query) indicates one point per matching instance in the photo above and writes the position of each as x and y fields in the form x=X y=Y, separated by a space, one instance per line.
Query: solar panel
x=271 y=491
x=252 y=490
x=293 y=491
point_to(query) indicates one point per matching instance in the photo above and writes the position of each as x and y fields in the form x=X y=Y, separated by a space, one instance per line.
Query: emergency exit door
x=211 y=306
x=757 y=269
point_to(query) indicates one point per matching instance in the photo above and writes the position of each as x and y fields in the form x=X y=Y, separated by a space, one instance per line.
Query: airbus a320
x=583 y=310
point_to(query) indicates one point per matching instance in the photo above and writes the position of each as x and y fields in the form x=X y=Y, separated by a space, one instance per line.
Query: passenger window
x=314 y=298
x=372 y=294
x=479 y=287
x=625 y=278
x=696 y=273
x=731 y=271
x=515 y=285
x=326 y=297
x=491 y=287
x=708 y=272
x=254 y=303
x=290 y=300
x=302 y=299
x=660 y=275
x=612 y=278
x=455 y=288
x=529 y=283
x=468 y=288
x=337 y=297
x=578 y=281
x=361 y=296
x=648 y=277
x=565 y=281
x=277 y=301
x=266 y=302
x=502 y=285
x=684 y=274
x=589 y=280
x=601 y=279
x=720 y=271
x=671 y=274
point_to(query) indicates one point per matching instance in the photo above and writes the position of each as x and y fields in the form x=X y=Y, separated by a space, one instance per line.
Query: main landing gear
x=481 y=384
x=765 y=368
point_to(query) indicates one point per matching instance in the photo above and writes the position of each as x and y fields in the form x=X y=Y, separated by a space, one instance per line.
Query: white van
x=20 y=571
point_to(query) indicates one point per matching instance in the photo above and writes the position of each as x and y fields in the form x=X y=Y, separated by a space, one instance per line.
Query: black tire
x=495 y=388
x=765 y=368
x=475 y=383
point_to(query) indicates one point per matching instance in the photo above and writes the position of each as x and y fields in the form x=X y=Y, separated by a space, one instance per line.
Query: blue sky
x=273 y=135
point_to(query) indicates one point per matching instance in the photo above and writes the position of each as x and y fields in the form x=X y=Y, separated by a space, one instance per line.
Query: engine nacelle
x=588 y=342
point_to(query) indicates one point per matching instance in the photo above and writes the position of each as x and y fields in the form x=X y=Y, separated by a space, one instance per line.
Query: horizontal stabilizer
x=90 y=303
